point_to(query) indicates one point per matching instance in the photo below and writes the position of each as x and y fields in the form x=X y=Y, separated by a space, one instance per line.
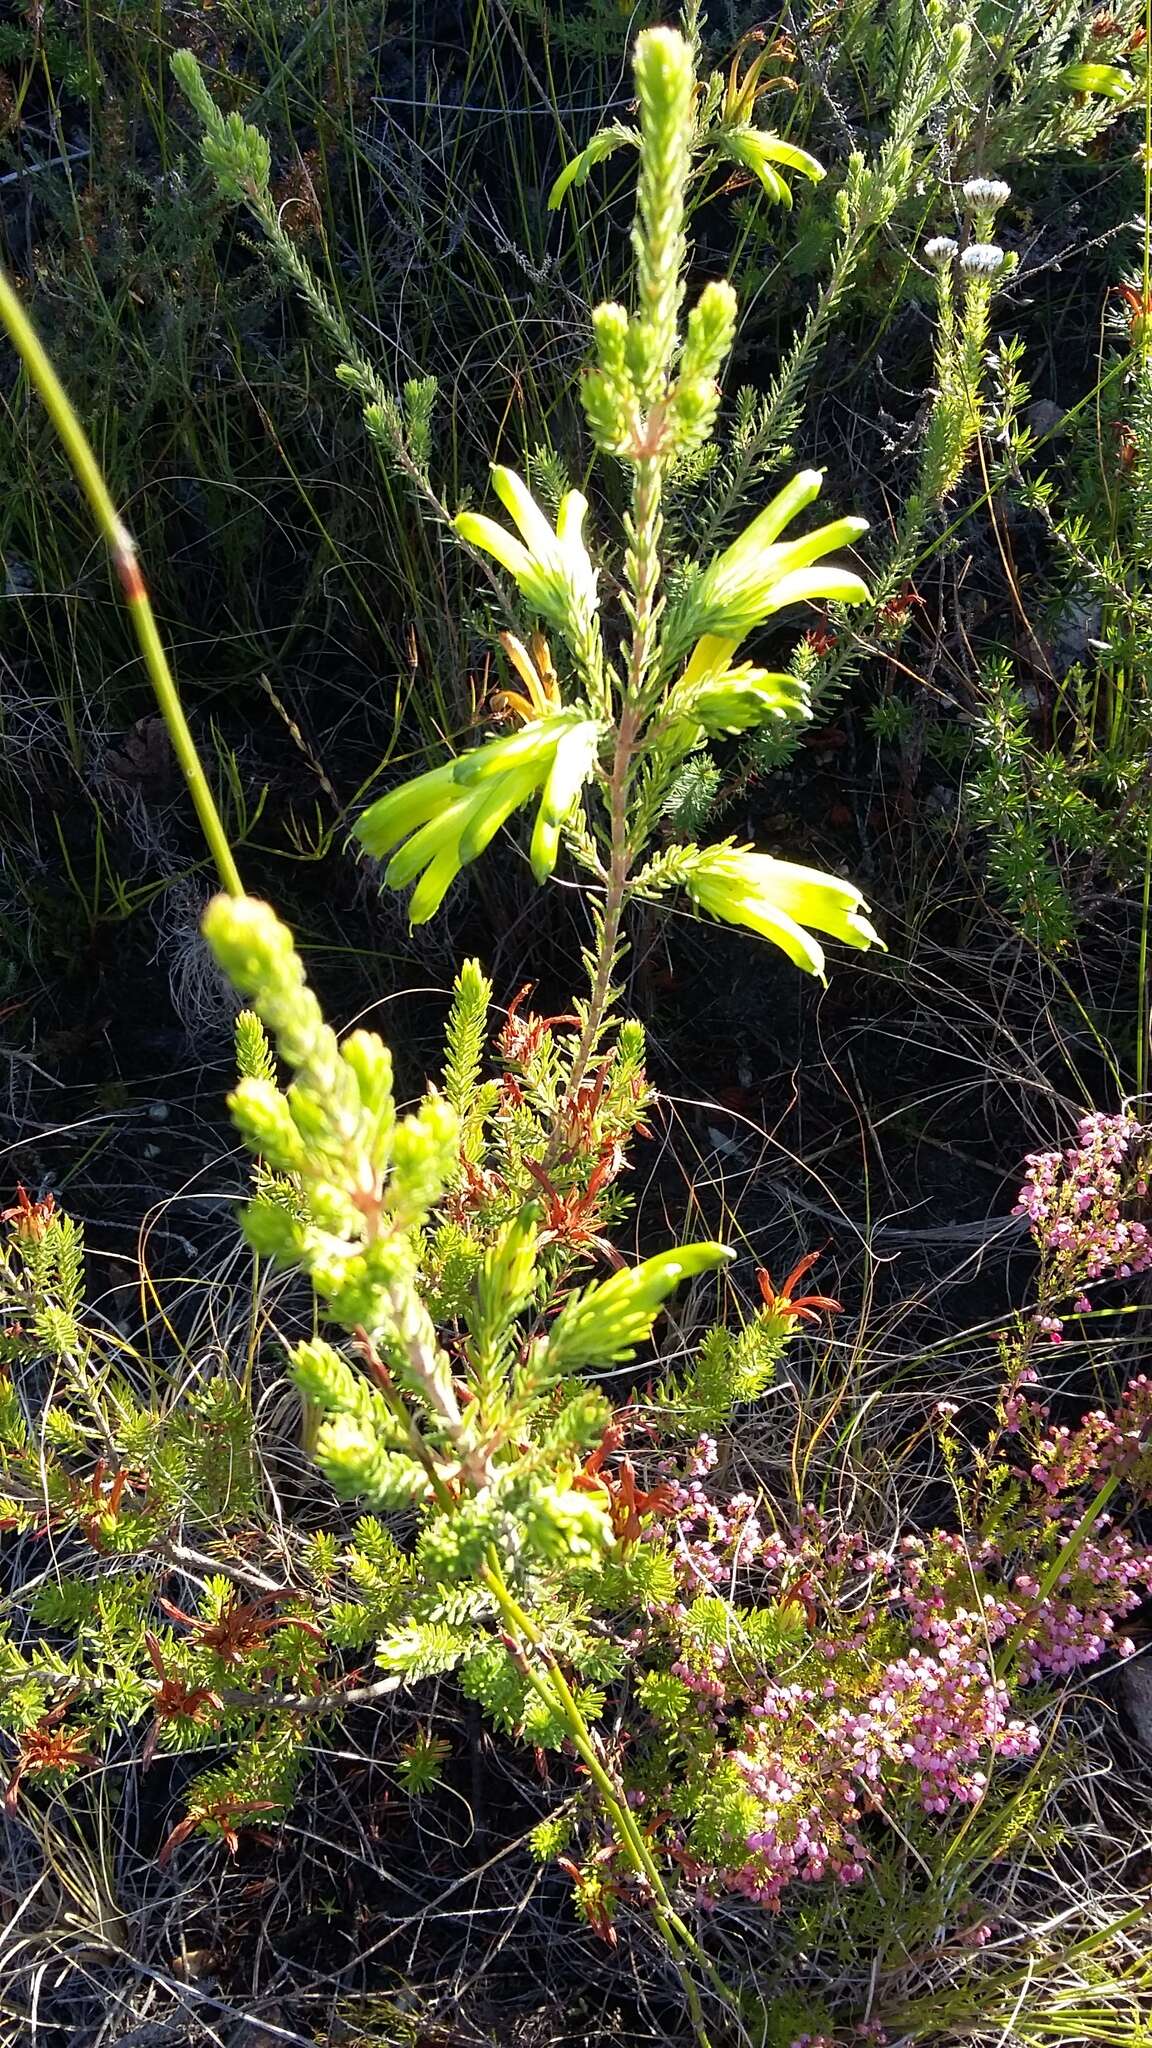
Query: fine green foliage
x=496 y=1469
x=1062 y=800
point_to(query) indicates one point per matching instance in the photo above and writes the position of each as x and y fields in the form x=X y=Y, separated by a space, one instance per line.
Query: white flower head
x=941 y=250
x=982 y=259
x=987 y=194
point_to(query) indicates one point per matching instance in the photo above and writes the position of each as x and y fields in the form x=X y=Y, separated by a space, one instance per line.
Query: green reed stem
x=122 y=549
x=556 y=1692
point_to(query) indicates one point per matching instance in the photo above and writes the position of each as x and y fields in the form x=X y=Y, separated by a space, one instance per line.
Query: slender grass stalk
x=122 y=549
x=556 y=1692
x=1146 y=899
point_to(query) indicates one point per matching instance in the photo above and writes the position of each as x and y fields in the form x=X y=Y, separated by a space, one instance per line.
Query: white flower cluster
x=986 y=194
x=982 y=259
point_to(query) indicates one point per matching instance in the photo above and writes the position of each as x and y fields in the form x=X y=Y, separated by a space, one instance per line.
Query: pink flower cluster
x=1066 y=1461
x=931 y=1726
x=1074 y=1201
x=1052 y=1634
x=886 y=1684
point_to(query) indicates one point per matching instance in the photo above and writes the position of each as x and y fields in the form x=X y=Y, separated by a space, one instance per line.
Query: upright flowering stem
x=665 y=86
x=643 y=560
x=608 y=936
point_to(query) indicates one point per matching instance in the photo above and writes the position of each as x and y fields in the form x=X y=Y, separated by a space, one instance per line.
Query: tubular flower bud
x=714 y=697
x=608 y=1322
x=1110 y=81
x=779 y=900
x=393 y=817
x=746 y=697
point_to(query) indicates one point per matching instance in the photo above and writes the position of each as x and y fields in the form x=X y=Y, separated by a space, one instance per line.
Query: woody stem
x=608 y=944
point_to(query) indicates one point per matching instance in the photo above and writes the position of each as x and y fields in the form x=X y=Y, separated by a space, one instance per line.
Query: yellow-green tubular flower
x=572 y=764
x=759 y=152
x=552 y=566
x=530 y=745
x=601 y=145
x=711 y=657
x=778 y=900
x=717 y=697
x=759 y=574
x=492 y=805
x=440 y=833
x=607 y=1322
x=433 y=886
x=393 y=817
x=445 y=819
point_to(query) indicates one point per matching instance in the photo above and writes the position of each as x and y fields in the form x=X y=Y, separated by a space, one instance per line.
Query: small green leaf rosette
x=441 y=821
x=780 y=901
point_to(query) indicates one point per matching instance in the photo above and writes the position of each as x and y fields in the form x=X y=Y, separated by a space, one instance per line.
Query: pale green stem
x=555 y=1691
x=643 y=567
x=122 y=549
